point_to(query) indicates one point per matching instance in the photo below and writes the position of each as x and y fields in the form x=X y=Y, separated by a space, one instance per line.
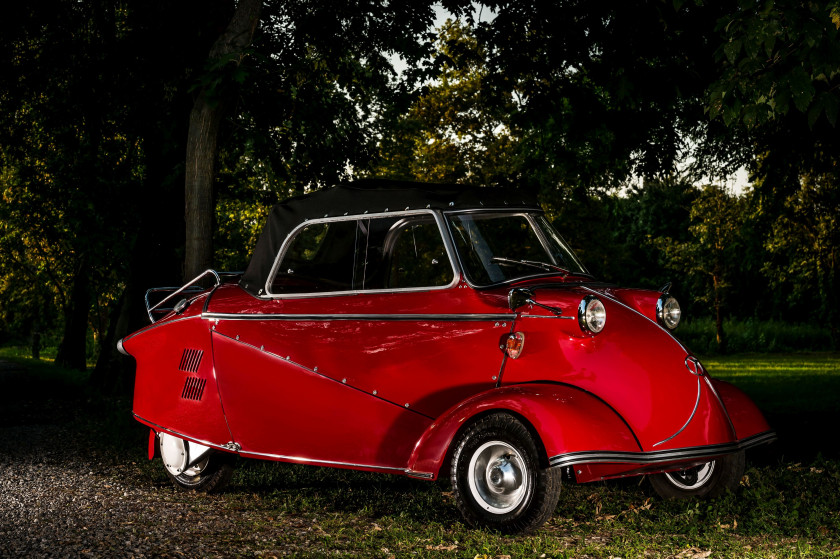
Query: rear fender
x=566 y=419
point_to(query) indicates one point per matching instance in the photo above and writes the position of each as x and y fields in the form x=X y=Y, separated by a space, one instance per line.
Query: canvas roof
x=368 y=196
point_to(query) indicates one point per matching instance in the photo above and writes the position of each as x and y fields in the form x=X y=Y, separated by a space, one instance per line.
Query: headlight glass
x=592 y=316
x=668 y=312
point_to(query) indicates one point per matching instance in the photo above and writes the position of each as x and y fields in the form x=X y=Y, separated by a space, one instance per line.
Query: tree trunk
x=72 y=349
x=719 y=335
x=205 y=120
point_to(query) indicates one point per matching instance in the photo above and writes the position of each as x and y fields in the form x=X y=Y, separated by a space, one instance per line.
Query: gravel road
x=63 y=494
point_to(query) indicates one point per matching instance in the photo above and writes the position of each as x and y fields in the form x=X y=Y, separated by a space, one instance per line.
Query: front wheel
x=497 y=479
x=194 y=467
x=711 y=479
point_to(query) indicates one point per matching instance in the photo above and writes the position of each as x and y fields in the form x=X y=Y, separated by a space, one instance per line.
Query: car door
x=368 y=336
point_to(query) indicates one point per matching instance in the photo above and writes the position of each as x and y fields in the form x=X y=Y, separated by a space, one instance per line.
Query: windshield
x=499 y=247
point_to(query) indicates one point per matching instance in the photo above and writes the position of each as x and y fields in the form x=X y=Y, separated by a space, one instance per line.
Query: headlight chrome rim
x=668 y=311
x=592 y=315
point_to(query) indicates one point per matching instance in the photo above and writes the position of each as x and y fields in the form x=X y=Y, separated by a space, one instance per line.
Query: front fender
x=566 y=419
x=746 y=418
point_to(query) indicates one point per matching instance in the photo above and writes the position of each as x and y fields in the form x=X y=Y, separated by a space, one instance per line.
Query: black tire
x=497 y=479
x=711 y=479
x=209 y=475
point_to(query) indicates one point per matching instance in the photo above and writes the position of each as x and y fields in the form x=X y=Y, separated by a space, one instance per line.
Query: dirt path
x=63 y=493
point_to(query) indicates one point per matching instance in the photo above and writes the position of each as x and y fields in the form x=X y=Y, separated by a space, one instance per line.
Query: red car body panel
x=280 y=409
x=393 y=346
x=175 y=386
x=747 y=419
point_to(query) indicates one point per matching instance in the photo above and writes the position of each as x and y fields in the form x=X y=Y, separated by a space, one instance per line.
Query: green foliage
x=778 y=58
x=804 y=248
x=452 y=132
x=604 y=90
x=710 y=255
x=751 y=335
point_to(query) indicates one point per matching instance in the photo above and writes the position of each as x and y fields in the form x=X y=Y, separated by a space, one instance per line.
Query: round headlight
x=668 y=312
x=591 y=314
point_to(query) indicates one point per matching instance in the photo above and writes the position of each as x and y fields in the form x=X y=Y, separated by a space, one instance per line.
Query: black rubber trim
x=661 y=456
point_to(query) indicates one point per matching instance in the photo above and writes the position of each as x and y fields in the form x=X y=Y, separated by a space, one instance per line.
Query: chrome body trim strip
x=690 y=417
x=419 y=475
x=711 y=386
x=661 y=456
x=230 y=446
x=370 y=317
x=333 y=463
x=181 y=435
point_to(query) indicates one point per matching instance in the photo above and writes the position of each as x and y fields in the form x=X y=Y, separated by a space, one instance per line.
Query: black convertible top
x=368 y=196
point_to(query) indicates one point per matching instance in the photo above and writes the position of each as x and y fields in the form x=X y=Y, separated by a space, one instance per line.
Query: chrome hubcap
x=692 y=478
x=176 y=456
x=498 y=478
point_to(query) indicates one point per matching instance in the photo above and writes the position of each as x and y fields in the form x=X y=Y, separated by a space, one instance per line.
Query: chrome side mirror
x=519 y=297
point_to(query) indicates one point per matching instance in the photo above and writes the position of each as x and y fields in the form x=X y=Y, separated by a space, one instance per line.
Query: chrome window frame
x=529 y=216
x=457 y=273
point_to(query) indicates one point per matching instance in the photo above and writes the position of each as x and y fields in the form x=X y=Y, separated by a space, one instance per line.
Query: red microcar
x=433 y=330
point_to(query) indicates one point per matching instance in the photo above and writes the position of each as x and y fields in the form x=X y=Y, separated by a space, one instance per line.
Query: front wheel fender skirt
x=565 y=418
x=746 y=418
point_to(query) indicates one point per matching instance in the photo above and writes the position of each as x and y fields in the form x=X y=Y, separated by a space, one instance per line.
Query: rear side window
x=382 y=253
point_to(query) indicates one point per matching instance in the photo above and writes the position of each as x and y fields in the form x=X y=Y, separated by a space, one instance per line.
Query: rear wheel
x=194 y=467
x=497 y=479
x=706 y=480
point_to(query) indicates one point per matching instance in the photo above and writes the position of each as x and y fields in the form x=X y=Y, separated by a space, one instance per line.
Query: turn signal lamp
x=514 y=344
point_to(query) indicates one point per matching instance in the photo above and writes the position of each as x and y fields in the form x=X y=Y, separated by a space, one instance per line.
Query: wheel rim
x=196 y=469
x=174 y=452
x=498 y=477
x=692 y=478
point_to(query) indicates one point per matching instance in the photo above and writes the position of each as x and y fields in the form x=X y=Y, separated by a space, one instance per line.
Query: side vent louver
x=193 y=388
x=190 y=360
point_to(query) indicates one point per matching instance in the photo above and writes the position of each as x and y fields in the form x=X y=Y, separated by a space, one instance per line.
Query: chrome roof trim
x=661 y=456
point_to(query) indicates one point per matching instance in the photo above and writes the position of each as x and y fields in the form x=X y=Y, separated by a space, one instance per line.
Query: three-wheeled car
x=433 y=330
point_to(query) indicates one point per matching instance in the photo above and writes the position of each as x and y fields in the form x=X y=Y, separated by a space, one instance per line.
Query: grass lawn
x=798 y=393
x=788 y=504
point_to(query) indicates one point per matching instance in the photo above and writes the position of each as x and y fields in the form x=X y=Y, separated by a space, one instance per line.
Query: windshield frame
x=544 y=232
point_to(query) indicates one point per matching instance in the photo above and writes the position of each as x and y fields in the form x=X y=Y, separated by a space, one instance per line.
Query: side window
x=418 y=256
x=318 y=259
x=365 y=254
